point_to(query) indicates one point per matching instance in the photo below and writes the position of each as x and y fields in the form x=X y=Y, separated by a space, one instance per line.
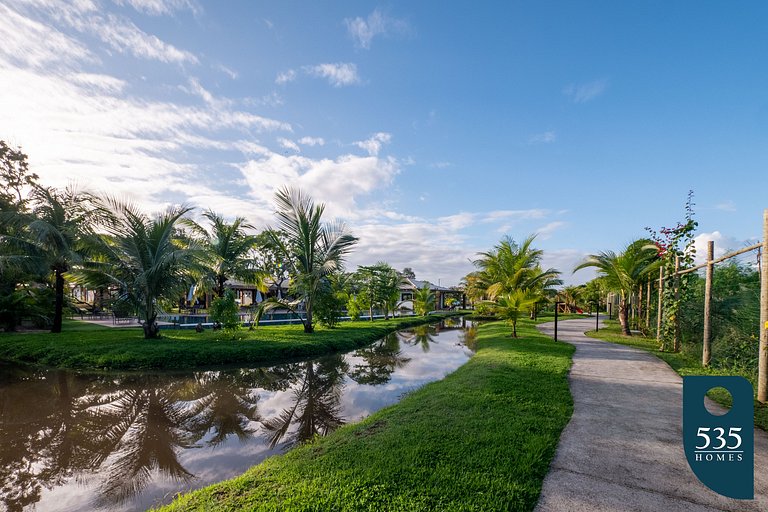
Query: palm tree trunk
x=308 y=327
x=624 y=318
x=58 y=311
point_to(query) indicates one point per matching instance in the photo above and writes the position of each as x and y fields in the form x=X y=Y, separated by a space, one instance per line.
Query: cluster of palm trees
x=59 y=236
x=509 y=280
x=625 y=273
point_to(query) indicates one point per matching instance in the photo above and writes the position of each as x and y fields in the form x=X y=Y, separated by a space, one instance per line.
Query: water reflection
x=77 y=442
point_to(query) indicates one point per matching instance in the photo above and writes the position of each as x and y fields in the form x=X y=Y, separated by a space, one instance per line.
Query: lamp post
x=597 y=315
x=610 y=311
x=557 y=307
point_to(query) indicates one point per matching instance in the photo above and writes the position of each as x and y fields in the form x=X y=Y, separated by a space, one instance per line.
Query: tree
x=509 y=266
x=225 y=311
x=270 y=258
x=408 y=272
x=310 y=249
x=58 y=236
x=624 y=272
x=380 y=283
x=228 y=252
x=511 y=305
x=147 y=260
x=423 y=300
x=14 y=176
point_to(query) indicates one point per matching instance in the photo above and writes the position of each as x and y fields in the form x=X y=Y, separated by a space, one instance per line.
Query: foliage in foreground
x=481 y=439
x=687 y=362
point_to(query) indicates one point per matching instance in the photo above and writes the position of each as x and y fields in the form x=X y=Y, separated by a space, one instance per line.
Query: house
x=409 y=286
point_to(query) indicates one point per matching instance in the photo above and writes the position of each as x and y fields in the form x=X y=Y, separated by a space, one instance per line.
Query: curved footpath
x=622 y=450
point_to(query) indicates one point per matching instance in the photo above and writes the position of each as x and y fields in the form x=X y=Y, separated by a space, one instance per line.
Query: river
x=72 y=441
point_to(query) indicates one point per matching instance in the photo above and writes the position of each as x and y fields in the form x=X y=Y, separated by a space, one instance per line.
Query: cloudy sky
x=432 y=128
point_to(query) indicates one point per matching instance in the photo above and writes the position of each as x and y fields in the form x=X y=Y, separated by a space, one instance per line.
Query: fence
x=762 y=247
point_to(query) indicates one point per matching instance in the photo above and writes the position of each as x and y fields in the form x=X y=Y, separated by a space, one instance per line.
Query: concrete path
x=622 y=450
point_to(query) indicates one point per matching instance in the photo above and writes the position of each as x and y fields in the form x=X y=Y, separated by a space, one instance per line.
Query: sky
x=432 y=129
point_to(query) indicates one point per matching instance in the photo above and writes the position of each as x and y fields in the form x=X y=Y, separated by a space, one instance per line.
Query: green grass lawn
x=85 y=346
x=480 y=439
x=682 y=363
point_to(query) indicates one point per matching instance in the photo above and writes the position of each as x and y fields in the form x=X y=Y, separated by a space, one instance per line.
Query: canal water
x=117 y=442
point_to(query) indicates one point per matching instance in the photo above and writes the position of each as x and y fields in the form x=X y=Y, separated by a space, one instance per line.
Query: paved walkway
x=622 y=450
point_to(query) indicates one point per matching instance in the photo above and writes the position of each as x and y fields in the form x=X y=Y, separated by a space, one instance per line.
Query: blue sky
x=433 y=129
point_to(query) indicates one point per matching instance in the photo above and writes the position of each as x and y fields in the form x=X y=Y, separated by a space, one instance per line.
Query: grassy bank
x=85 y=346
x=481 y=439
x=683 y=363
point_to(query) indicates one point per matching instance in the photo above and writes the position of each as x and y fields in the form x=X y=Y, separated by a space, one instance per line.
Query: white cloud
x=29 y=43
x=338 y=182
x=97 y=82
x=458 y=221
x=231 y=73
x=543 y=138
x=582 y=93
x=125 y=37
x=285 y=77
x=312 y=141
x=515 y=215
x=364 y=30
x=374 y=144
x=565 y=260
x=546 y=231
x=288 y=144
x=726 y=206
x=724 y=244
x=161 y=7
x=338 y=74
x=440 y=165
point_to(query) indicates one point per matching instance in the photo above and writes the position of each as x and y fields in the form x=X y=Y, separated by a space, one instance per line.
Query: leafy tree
x=310 y=249
x=423 y=300
x=625 y=272
x=14 y=177
x=380 y=283
x=408 y=272
x=330 y=302
x=225 y=311
x=227 y=251
x=270 y=258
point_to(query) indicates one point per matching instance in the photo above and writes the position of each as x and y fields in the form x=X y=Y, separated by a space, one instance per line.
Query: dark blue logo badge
x=720 y=449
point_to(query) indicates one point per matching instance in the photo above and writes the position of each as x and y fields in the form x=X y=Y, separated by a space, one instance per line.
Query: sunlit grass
x=87 y=346
x=481 y=439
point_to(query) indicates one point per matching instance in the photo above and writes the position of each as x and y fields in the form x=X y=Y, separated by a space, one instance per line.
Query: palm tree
x=228 y=251
x=310 y=248
x=57 y=237
x=423 y=300
x=147 y=260
x=624 y=272
x=509 y=266
x=511 y=305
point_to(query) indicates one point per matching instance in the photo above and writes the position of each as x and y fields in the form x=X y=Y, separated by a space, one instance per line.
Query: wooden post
x=648 y=306
x=676 y=342
x=640 y=307
x=705 y=353
x=659 y=309
x=762 y=368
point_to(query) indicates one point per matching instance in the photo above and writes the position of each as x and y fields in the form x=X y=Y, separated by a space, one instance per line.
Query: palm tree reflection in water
x=316 y=407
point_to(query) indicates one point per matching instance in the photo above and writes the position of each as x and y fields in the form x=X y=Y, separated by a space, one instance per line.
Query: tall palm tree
x=624 y=272
x=310 y=248
x=57 y=237
x=148 y=261
x=228 y=251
